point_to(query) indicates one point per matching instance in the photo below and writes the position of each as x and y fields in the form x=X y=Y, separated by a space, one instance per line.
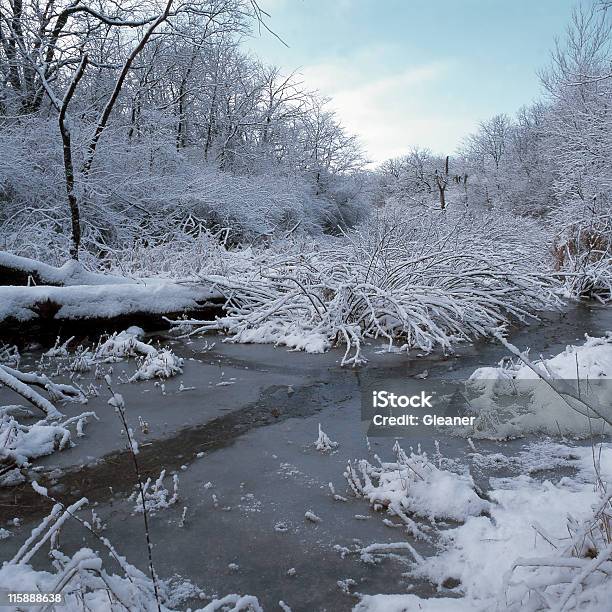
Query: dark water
x=257 y=437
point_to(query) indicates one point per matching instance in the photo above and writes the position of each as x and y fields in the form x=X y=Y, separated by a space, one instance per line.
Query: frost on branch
x=21 y=383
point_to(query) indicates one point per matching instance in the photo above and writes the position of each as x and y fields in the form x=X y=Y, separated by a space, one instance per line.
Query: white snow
x=293 y=336
x=19 y=443
x=408 y=603
x=586 y=368
x=156 y=363
x=521 y=552
x=156 y=496
x=86 y=585
x=102 y=301
x=71 y=273
x=415 y=486
x=163 y=364
x=414 y=292
x=309 y=515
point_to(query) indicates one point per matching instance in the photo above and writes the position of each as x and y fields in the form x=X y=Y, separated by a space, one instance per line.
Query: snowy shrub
x=413 y=485
x=164 y=364
x=424 y=283
x=155 y=363
x=9 y=355
x=148 y=197
x=20 y=443
x=583 y=250
x=156 y=495
x=124 y=344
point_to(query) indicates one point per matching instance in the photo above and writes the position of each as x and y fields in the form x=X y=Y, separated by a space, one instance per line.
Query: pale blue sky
x=408 y=72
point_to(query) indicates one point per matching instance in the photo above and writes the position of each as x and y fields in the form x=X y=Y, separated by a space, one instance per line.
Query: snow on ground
x=539 y=536
x=512 y=399
x=408 y=603
x=541 y=544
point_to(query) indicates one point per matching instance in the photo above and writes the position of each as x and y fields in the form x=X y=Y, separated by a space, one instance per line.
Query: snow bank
x=292 y=336
x=512 y=399
x=539 y=547
x=408 y=603
x=590 y=361
x=529 y=519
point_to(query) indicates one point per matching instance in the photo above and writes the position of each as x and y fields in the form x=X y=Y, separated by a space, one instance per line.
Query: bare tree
x=442 y=182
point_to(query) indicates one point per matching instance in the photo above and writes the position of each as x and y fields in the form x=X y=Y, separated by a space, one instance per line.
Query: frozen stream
x=253 y=412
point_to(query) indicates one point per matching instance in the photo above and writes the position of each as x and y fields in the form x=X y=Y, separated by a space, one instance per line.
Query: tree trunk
x=181 y=130
x=75 y=213
x=442 y=197
x=211 y=121
x=442 y=182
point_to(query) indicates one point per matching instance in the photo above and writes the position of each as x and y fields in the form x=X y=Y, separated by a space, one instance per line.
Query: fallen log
x=44 y=312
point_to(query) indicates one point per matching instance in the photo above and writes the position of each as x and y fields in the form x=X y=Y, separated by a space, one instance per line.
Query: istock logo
x=385 y=399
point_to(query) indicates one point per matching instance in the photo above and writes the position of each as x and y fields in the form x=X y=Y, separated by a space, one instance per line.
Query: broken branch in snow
x=8 y=378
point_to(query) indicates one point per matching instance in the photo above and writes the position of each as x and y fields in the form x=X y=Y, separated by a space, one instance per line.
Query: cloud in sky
x=387 y=111
x=402 y=73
